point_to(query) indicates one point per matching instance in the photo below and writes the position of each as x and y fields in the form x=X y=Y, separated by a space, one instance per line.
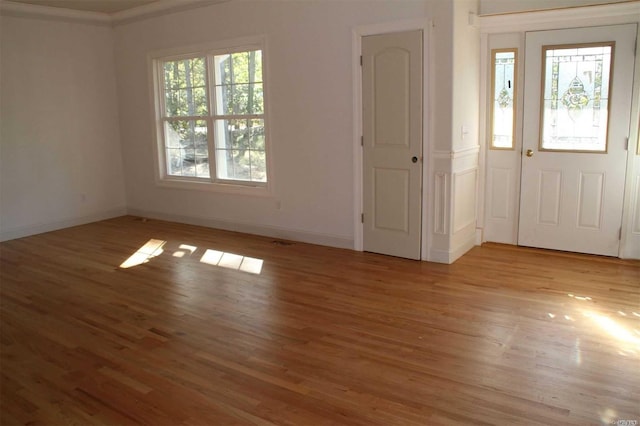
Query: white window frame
x=162 y=178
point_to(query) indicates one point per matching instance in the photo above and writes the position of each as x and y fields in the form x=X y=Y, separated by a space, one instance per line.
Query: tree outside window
x=213 y=117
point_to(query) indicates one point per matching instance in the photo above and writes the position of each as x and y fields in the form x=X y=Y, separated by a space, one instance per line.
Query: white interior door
x=577 y=103
x=392 y=143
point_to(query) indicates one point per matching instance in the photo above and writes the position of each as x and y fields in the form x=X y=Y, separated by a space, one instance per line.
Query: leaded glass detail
x=503 y=89
x=575 y=103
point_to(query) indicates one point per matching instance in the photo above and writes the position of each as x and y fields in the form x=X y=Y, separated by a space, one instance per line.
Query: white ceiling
x=104 y=6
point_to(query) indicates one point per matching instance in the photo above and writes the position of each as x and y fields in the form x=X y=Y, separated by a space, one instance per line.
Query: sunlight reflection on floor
x=232 y=261
x=613 y=328
x=625 y=340
x=151 y=249
x=184 y=249
x=154 y=248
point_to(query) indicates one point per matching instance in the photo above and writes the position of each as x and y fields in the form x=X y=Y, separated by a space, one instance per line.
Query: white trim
x=585 y=16
x=239 y=188
x=162 y=7
x=40 y=228
x=23 y=10
x=357 y=33
x=331 y=240
x=616 y=13
x=456 y=155
x=454 y=179
x=213 y=47
x=159 y=8
x=630 y=238
x=482 y=135
x=154 y=58
x=450 y=256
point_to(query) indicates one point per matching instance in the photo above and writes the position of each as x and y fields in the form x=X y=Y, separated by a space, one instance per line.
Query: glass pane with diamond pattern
x=503 y=108
x=575 y=104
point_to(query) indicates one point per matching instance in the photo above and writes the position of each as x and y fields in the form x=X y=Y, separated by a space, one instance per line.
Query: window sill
x=254 y=190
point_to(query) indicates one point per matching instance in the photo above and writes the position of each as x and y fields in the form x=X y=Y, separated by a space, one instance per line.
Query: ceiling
x=104 y=6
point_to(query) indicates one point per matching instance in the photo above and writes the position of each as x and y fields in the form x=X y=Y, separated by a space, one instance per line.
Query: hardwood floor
x=270 y=332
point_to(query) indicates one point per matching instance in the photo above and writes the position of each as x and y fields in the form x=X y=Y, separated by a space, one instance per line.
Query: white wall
x=61 y=165
x=61 y=162
x=488 y=7
x=309 y=62
x=455 y=158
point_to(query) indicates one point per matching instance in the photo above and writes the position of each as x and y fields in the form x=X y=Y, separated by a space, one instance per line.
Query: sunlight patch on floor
x=184 y=249
x=613 y=328
x=154 y=248
x=151 y=249
x=232 y=261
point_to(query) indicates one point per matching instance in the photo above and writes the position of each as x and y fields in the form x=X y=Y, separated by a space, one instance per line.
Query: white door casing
x=502 y=177
x=392 y=143
x=573 y=201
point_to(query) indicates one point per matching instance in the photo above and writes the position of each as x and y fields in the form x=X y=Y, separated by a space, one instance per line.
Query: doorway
x=392 y=111
x=577 y=103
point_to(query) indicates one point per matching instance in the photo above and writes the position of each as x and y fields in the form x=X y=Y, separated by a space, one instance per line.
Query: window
x=211 y=117
x=503 y=88
x=575 y=103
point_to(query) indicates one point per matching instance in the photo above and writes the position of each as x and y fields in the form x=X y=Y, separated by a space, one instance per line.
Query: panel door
x=392 y=143
x=577 y=104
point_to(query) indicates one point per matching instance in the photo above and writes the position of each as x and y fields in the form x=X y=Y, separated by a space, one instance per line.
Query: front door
x=392 y=143
x=577 y=103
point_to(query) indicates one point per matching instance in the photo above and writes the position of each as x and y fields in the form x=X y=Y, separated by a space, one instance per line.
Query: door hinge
x=362 y=217
x=626 y=144
x=361 y=140
x=360 y=60
x=620 y=234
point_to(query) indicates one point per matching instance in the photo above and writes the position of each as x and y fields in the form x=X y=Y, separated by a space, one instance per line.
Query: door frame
x=357 y=33
x=577 y=17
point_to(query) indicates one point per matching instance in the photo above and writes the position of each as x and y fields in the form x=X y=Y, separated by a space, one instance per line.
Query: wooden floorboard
x=271 y=332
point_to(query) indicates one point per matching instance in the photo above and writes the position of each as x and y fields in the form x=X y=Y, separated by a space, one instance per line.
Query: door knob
x=529 y=153
x=414 y=159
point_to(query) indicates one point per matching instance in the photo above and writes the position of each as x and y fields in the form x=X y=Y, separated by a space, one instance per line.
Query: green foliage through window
x=234 y=108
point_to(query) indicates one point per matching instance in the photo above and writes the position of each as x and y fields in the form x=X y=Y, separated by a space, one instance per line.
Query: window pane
x=243 y=67
x=240 y=149
x=576 y=97
x=239 y=83
x=239 y=99
x=186 y=147
x=503 y=108
x=185 y=87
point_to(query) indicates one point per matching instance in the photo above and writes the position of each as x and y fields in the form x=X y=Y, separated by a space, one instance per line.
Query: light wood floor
x=319 y=336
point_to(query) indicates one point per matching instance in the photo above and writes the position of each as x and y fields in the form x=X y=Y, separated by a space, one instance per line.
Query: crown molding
x=608 y=14
x=24 y=10
x=162 y=7
x=159 y=8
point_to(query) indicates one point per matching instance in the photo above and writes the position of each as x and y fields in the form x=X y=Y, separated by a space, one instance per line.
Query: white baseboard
x=630 y=246
x=40 y=228
x=450 y=256
x=338 y=241
x=479 y=236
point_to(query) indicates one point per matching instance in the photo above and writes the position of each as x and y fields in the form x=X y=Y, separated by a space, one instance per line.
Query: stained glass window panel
x=575 y=104
x=503 y=89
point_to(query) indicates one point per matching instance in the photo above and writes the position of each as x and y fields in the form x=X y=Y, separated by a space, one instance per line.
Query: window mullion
x=211 y=98
x=161 y=111
x=186 y=117
x=238 y=116
x=161 y=89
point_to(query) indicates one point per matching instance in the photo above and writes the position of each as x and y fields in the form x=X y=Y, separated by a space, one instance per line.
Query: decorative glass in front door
x=503 y=88
x=575 y=104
